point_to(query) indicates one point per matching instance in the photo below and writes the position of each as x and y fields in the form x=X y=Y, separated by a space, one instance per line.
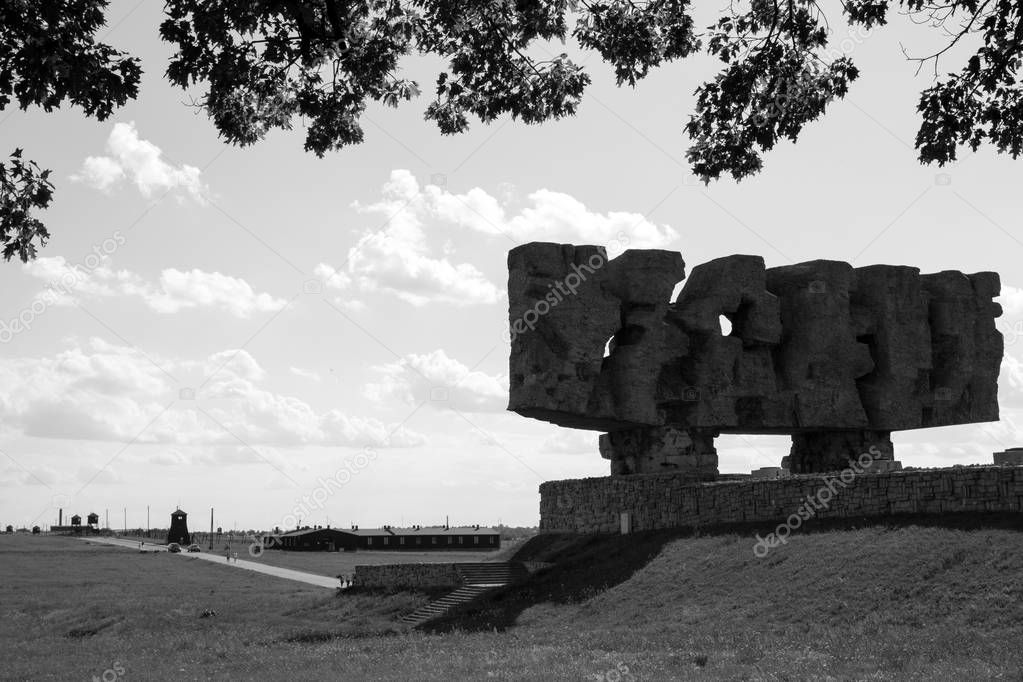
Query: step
x=440 y=606
x=491 y=572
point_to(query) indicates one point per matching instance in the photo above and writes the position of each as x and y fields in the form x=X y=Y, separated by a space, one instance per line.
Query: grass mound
x=890 y=573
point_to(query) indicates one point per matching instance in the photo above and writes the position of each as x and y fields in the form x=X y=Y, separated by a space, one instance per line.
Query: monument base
x=662 y=450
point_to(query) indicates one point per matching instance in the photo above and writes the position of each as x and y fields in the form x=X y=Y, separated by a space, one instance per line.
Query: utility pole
x=147 y=519
x=211 y=529
x=126 y=520
x=107 y=514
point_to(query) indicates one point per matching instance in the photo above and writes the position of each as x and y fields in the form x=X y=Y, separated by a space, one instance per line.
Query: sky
x=287 y=339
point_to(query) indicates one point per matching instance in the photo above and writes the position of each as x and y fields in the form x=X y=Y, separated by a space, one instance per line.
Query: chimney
x=60 y=517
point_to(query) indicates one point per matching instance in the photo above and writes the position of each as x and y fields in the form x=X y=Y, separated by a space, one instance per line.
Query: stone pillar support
x=834 y=450
x=661 y=450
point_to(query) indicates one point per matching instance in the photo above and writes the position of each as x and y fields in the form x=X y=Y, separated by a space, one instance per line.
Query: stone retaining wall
x=408 y=576
x=596 y=505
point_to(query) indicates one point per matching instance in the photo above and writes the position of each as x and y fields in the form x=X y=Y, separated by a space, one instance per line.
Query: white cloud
x=1011 y=299
x=398 y=259
x=114 y=393
x=398 y=262
x=548 y=215
x=35 y=475
x=91 y=474
x=141 y=162
x=1010 y=381
x=195 y=288
x=176 y=290
x=441 y=381
x=961 y=444
x=64 y=279
x=306 y=374
x=172 y=457
x=100 y=172
x=572 y=442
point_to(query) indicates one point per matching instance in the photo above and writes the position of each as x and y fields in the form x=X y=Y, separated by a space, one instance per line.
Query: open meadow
x=874 y=603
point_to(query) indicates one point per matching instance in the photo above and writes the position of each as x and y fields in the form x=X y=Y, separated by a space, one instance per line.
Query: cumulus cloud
x=176 y=290
x=398 y=260
x=179 y=290
x=571 y=442
x=107 y=392
x=140 y=162
x=1011 y=299
x=441 y=381
x=547 y=215
x=1010 y=381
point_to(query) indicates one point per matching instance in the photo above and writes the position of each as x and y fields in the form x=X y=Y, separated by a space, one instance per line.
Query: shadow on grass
x=360 y=613
x=586 y=565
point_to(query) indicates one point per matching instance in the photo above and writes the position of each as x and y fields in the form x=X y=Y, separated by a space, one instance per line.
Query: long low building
x=416 y=538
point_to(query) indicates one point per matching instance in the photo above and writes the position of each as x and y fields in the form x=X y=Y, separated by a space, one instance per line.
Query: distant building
x=388 y=538
x=1010 y=457
x=770 y=472
x=179 y=528
x=93 y=521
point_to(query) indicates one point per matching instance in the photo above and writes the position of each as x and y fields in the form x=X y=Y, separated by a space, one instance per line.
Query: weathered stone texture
x=661 y=450
x=595 y=505
x=838 y=357
x=835 y=450
x=1010 y=457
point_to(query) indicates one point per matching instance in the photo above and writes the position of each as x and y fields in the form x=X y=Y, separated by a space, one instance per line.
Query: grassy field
x=876 y=603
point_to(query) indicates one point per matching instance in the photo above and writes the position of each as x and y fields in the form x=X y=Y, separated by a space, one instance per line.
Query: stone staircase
x=492 y=574
x=479 y=578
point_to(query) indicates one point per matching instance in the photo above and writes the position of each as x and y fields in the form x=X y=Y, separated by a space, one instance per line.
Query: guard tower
x=93 y=520
x=179 y=528
x=76 y=523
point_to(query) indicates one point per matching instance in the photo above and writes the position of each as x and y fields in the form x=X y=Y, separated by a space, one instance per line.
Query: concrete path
x=277 y=571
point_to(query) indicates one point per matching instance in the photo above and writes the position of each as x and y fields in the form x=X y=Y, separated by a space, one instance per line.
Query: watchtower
x=179 y=528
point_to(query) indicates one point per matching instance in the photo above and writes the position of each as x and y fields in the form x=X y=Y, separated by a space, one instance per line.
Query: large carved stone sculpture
x=835 y=356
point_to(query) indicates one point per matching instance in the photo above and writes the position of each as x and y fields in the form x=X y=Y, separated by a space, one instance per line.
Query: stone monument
x=834 y=356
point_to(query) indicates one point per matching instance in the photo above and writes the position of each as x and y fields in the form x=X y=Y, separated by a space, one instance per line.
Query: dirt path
x=286 y=573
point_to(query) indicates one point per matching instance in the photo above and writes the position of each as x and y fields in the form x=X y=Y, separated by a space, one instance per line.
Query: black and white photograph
x=596 y=340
